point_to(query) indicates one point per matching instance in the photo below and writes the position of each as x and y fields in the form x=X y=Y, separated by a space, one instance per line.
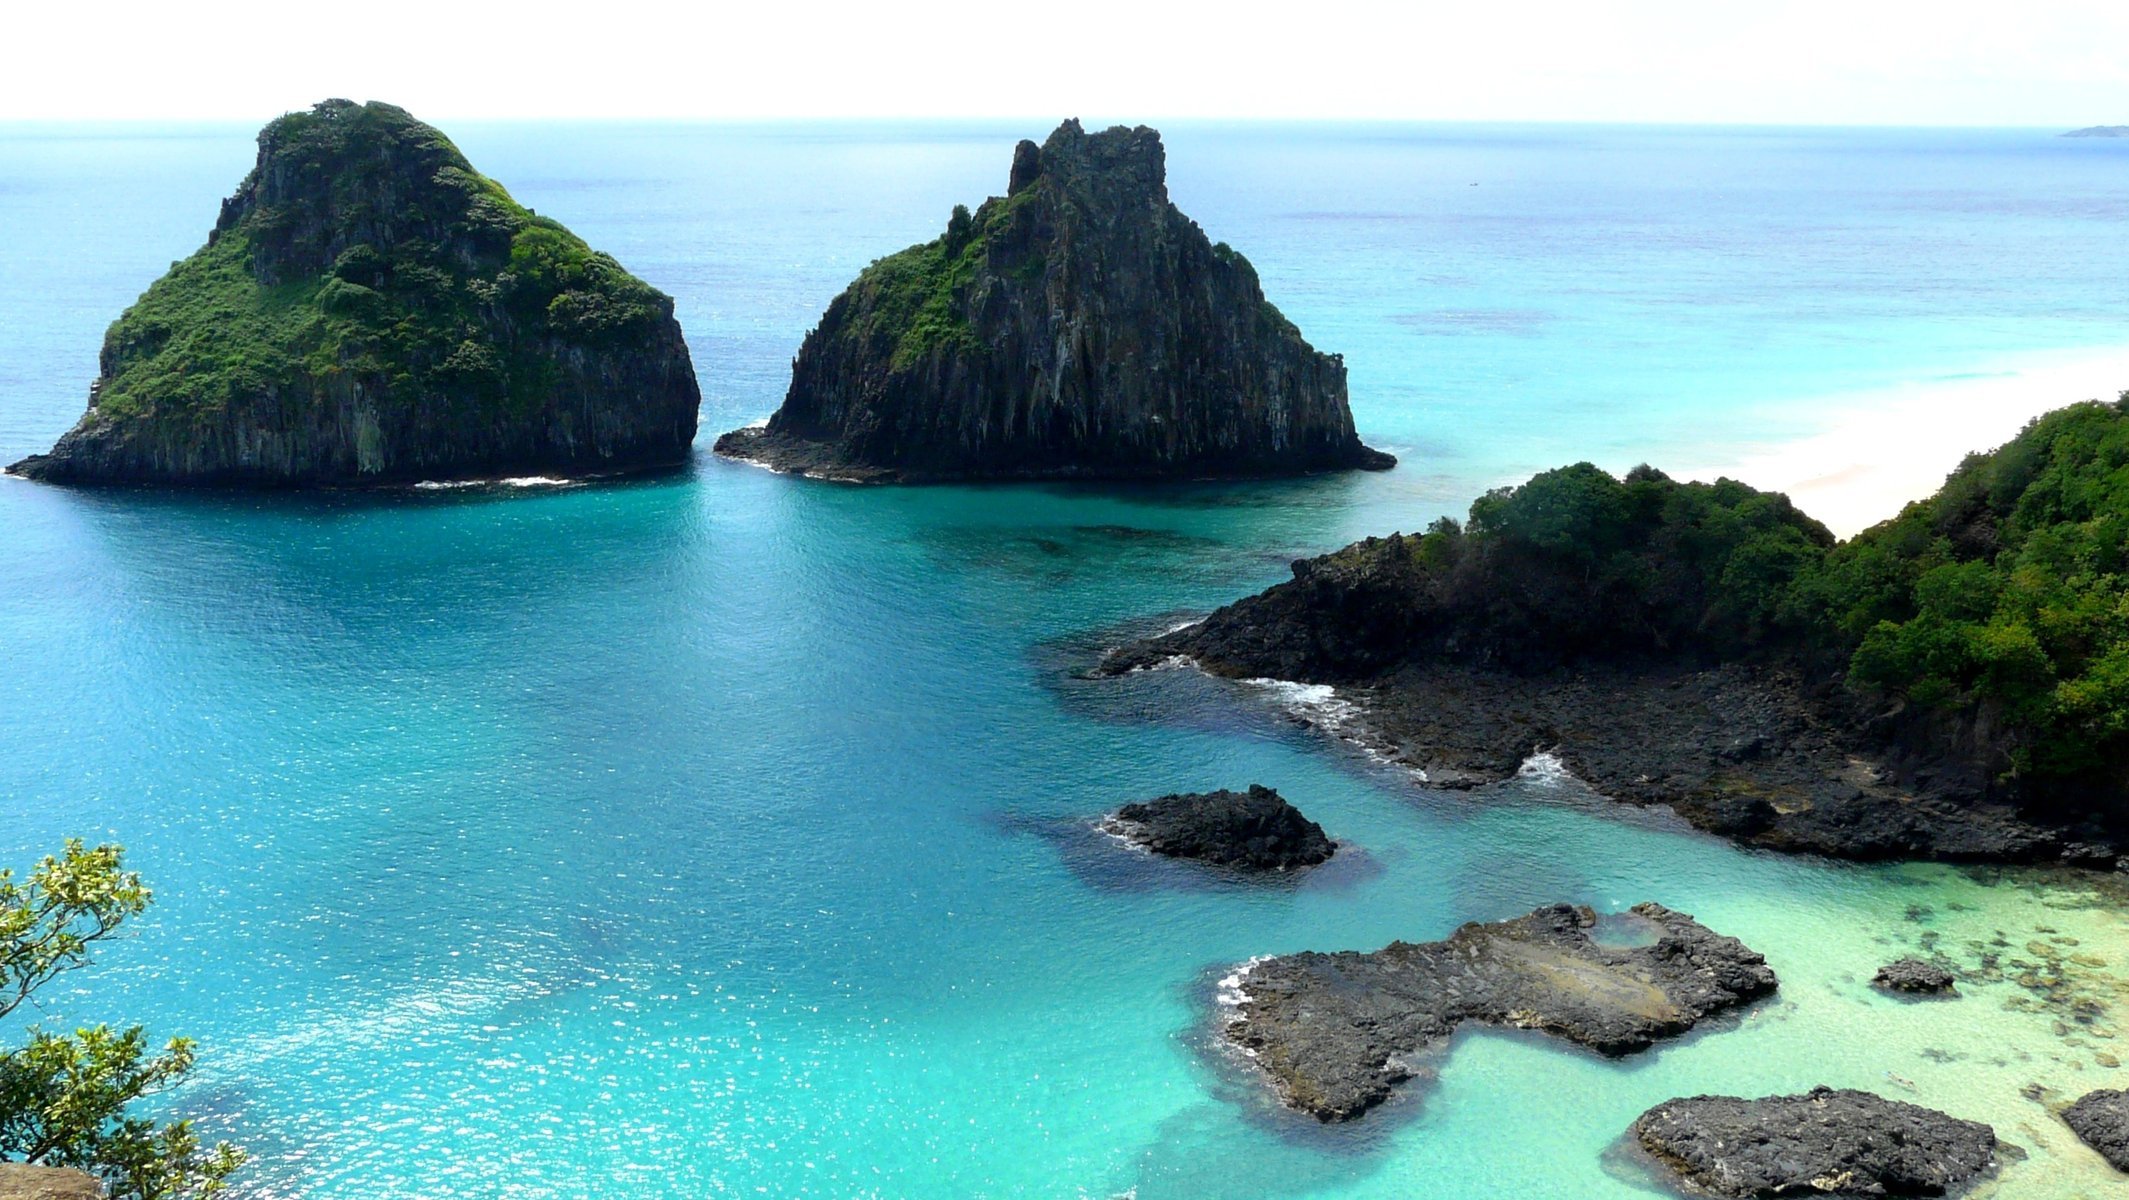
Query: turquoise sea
x=729 y=834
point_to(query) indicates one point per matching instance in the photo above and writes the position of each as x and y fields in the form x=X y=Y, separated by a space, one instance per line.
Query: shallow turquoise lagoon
x=730 y=834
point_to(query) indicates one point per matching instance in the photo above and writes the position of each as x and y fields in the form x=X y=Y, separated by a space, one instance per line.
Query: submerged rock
x=1078 y=327
x=1337 y=1032
x=2101 y=1120
x=1914 y=975
x=369 y=308
x=1256 y=829
x=1823 y=1143
x=21 y=1181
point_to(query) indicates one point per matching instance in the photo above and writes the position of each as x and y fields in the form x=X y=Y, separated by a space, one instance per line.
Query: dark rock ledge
x=1256 y=829
x=1915 y=976
x=2101 y=1120
x=1337 y=1032
x=1825 y=1143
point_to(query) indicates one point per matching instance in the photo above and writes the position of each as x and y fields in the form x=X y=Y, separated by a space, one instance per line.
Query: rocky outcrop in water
x=371 y=309
x=1695 y=646
x=1256 y=830
x=2100 y=131
x=1914 y=976
x=1835 y=1144
x=1337 y=1032
x=1080 y=326
x=2101 y=1120
x=21 y=1181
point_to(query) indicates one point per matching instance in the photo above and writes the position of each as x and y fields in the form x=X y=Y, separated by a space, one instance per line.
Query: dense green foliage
x=1575 y=561
x=364 y=246
x=913 y=299
x=63 y=1097
x=2002 y=600
x=2006 y=591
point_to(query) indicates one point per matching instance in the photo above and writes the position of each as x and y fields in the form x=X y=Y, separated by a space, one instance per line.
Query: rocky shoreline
x=1336 y=1033
x=1741 y=751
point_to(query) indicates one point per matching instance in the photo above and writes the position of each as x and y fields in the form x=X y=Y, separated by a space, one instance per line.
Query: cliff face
x=1079 y=326
x=371 y=309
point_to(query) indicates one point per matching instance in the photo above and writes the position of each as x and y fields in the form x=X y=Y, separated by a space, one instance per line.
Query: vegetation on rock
x=1080 y=326
x=2006 y=593
x=369 y=305
x=1987 y=625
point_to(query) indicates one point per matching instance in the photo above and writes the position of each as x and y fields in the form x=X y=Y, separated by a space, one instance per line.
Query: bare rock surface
x=1337 y=1032
x=2101 y=1120
x=1915 y=976
x=1255 y=829
x=1825 y=1143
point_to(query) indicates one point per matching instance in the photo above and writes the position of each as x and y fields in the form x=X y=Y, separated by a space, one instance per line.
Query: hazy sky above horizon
x=1813 y=62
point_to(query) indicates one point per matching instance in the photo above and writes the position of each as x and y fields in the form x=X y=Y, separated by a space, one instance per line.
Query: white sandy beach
x=1892 y=445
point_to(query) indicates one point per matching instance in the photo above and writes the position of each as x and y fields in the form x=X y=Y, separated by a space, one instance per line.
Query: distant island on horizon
x=2100 y=131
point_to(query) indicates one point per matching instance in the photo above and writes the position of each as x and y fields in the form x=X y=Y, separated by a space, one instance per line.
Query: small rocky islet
x=370 y=309
x=1915 y=977
x=1078 y=327
x=1336 y=1033
x=1942 y=685
x=1841 y=1144
x=1254 y=830
x=2100 y=1119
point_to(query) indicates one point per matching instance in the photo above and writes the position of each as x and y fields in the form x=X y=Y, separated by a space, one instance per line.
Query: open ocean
x=731 y=834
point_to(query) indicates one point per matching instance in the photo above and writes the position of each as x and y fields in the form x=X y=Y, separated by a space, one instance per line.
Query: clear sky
x=1949 y=62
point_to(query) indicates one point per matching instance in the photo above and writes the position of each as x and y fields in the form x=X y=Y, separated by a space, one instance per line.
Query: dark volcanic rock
x=1465 y=658
x=1823 y=1143
x=1914 y=975
x=2101 y=1120
x=371 y=309
x=1337 y=1031
x=1077 y=327
x=1256 y=829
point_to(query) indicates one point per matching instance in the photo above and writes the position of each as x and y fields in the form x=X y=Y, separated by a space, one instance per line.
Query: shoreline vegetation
x=1879 y=448
x=69 y=1122
x=1952 y=683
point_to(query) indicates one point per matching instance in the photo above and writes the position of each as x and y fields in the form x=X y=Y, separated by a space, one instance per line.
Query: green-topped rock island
x=370 y=309
x=1078 y=327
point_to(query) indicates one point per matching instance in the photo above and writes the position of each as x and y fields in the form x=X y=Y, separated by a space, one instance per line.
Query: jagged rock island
x=1079 y=327
x=1256 y=830
x=1950 y=684
x=1337 y=1032
x=1823 y=1143
x=371 y=309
